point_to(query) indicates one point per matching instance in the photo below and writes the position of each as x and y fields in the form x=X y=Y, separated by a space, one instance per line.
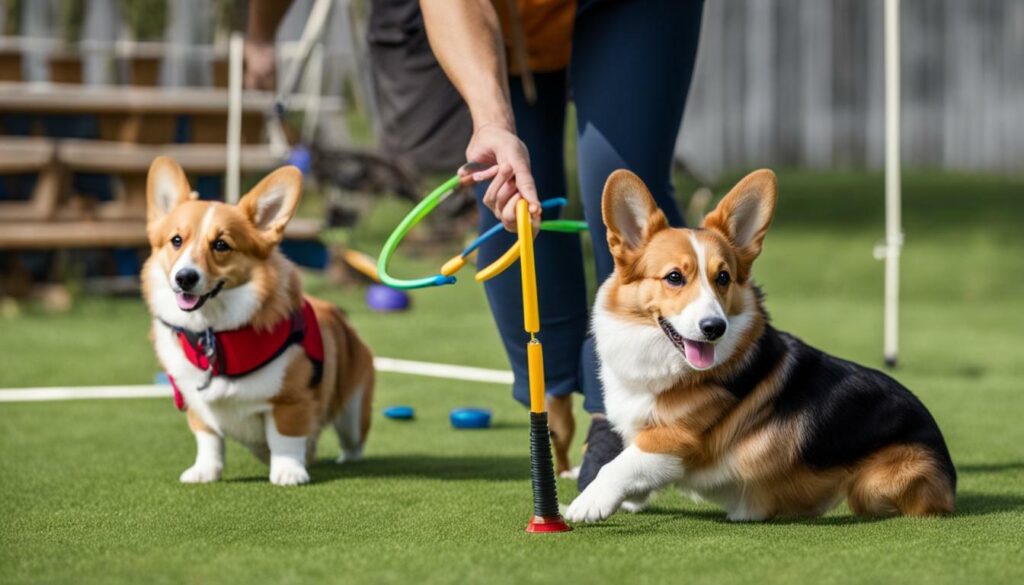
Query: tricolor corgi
x=709 y=396
x=252 y=357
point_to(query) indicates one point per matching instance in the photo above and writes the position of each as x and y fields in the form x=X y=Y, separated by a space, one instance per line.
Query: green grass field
x=90 y=493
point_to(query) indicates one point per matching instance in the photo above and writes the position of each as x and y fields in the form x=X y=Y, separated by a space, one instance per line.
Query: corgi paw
x=746 y=516
x=593 y=505
x=573 y=473
x=634 y=506
x=349 y=456
x=200 y=473
x=288 y=472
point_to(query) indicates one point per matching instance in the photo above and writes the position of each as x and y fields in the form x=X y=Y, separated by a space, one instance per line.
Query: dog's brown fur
x=298 y=409
x=716 y=431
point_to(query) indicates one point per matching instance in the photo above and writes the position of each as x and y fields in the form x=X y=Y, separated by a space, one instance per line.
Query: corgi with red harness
x=709 y=396
x=250 y=357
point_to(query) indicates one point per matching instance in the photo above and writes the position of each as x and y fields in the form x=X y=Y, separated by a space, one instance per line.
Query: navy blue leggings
x=632 y=61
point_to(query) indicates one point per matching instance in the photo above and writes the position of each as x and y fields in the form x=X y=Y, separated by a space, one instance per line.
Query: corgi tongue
x=186 y=301
x=699 y=353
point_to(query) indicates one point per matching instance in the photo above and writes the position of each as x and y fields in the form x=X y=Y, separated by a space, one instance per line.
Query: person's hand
x=506 y=163
x=260 y=66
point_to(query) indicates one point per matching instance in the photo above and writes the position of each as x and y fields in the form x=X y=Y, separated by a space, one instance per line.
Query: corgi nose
x=186 y=278
x=712 y=328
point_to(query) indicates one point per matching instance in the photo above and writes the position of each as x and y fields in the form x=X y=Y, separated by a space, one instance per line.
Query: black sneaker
x=603 y=444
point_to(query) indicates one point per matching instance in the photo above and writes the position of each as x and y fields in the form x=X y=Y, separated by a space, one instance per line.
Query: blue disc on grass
x=470 y=418
x=400 y=412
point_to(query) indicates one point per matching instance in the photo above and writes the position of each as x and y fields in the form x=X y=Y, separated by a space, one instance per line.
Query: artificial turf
x=90 y=494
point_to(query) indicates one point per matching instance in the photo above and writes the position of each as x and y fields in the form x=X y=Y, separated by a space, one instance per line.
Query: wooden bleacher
x=83 y=114
x=135 y=126
x=30 y=155
x=41 y=223
x=140 y=115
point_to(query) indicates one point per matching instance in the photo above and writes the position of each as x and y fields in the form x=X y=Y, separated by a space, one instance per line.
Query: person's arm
x=261 y=33
x=466 y=40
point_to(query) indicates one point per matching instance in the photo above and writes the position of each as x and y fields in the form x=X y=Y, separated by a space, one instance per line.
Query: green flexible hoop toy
x=424 y=208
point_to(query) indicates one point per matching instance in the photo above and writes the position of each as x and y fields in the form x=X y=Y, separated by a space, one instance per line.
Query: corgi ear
x=271 y=204
x=630 y=215
x=744 y=215
x=166 y=188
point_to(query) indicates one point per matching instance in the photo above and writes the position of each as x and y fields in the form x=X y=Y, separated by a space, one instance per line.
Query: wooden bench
x=142 y=115
x=42 y=222
x=142 y=59
x=48 y=235
x=31 y=155
x=136 y=125
x=138 y=114
x=52 y=160
x=130 y=163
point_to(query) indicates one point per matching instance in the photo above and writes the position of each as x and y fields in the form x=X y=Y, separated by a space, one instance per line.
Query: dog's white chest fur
x=628 y=411
x=638 y=363
x=232 y=406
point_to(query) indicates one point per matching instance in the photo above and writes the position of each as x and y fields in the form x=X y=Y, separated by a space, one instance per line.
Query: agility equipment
x=546 y=517
x=446 y=275
x=470 y=418
x=384 y=299
x=400 y=412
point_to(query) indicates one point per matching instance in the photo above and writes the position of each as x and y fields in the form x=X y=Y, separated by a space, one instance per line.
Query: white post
x=286 y=85
x=310 y=34
x=314 y=89
x=234 y=139
x=893 y=224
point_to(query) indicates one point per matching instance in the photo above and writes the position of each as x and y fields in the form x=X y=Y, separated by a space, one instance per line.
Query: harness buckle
x=208 y=345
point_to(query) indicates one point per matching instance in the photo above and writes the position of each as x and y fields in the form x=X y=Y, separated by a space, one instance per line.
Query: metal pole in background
x=235 y=49
x=314 y=89
x=893 y=221
x=310 y=36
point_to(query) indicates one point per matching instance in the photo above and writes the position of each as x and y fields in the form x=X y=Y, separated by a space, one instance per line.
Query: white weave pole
x=234 y=139
x=893 y=220
x=311 y=34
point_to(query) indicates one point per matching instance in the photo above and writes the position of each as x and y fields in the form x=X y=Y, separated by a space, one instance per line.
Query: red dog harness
x=239 y=352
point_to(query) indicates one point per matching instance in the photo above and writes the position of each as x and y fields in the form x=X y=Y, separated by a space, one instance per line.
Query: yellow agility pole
x=531 y=315
x=531 y=312
x=546 y=517
x=535 y=365
x=542 y=475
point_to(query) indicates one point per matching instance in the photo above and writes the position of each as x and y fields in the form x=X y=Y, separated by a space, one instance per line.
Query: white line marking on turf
x=447 y=371
x=383 y=364
x=83 y=393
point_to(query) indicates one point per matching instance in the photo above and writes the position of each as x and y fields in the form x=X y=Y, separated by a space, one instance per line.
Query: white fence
x=800 y=83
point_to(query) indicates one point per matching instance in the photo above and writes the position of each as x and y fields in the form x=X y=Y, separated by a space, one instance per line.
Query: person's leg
x=631 y=68
x=630 y=74
x=424 y=123
x=560 y=277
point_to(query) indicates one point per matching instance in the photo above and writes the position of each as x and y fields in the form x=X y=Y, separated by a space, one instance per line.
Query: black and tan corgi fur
x=708 y=395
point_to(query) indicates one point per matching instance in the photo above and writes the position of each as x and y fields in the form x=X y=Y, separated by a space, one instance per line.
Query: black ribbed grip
x=542 y=471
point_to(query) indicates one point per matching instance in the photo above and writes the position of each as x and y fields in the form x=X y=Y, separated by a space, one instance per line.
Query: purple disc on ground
x=386 y=299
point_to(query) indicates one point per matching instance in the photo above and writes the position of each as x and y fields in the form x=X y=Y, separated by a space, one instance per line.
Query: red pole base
x=547 y=524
